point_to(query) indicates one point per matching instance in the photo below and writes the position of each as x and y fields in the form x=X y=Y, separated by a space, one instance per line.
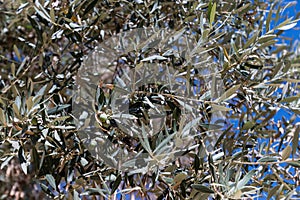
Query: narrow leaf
x=266 y=38
x=294 y=163
x=6 y=161
x=287 y=27
x=190 y=125
x=269 y=19
x=295 y=141
x=251 y=41
x=228 y=93
x=212 y=14
x=268 y=159
x=163 y=143
x=116 y=184
x=42 y=14
x=57 y=109
x=22 y=6
x=245 y=180
x=155 y=57
x=286 y=152
x=51 y=180
x=90 y=7
x=16 y=50
x=2 y=117
x=99 y=99
x=216 y=108
x=202 y=188
x=52 y=15
x=272 y=191
x=289 y=99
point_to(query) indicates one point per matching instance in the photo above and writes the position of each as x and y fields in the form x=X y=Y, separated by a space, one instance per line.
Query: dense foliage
x=231 y=132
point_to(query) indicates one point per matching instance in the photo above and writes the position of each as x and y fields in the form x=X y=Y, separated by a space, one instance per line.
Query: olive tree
x=148 y=99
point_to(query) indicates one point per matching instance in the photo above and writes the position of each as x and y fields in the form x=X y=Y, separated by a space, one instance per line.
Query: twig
x=17 y=79
x=265 y=163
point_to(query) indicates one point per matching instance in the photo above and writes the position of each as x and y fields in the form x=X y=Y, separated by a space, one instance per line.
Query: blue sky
x=294 y=34
x=292 y=11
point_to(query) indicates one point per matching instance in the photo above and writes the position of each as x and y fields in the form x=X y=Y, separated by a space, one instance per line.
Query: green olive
x=103 y=117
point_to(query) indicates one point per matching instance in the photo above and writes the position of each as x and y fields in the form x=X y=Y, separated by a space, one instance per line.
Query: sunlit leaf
x=155 y=57
x=51 y=180
x=21 y=7
x=286 y=27
x=16 y=50
x=286 y=152
x=228 y=93
x=212 y=14
x=245 y=179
